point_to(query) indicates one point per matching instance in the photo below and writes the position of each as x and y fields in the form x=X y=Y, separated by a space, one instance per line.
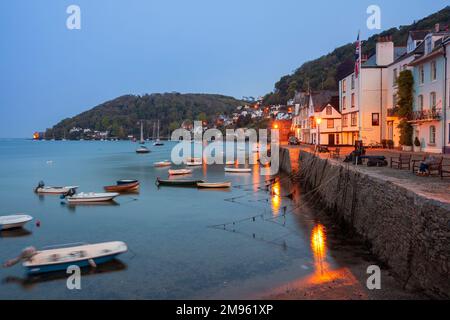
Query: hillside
x=325 y=72
x=121 y=115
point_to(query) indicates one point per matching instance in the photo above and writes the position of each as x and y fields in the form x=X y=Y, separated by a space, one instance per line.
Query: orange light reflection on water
x=275 y=198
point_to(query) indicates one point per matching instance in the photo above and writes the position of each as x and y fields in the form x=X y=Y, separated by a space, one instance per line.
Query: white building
x=329 y=128
x=363 y=99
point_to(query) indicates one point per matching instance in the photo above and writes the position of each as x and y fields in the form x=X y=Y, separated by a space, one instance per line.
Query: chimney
x=437 y=27
x=385 y=51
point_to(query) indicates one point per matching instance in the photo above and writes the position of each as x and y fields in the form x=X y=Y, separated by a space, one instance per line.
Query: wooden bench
x=401 y=161
x=434 y=169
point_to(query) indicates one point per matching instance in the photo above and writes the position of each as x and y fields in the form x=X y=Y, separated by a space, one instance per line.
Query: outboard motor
x=69 y=193
x=26 y=254
x=41 y=184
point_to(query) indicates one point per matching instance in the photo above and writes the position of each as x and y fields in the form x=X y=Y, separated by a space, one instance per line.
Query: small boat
x=237 y=170
x=194 y=163
x=158 y=143
x=41 y=188
x=165 y=163
x=174 y=172
x=178 y=183
x=214 y=184
x=58 y=259
x=124 y=187
x=14 y=221
x=142 y=149
x=92 y=197
x=126 y=181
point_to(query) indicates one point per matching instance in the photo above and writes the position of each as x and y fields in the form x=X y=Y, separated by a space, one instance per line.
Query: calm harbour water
x=173 y=253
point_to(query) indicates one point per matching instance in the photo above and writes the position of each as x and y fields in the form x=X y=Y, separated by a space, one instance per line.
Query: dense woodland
x=325 y=72
x=121 y=116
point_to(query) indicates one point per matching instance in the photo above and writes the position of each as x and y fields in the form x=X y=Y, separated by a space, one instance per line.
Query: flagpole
x=359 y=86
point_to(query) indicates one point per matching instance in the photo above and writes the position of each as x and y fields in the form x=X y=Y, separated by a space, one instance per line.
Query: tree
x=405 y=83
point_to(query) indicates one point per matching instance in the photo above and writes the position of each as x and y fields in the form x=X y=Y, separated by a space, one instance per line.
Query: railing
x=424 y=115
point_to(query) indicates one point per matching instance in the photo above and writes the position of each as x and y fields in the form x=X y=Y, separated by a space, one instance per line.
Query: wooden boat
x=237 y=170
x=58 y=259
x=142 y=149
x=214 y=184
x=124 y=187
x=126 y=181
x=174 y=172
x=14 y=221
x=92 y=197
x=164 y=163
x=178 y=183
x=41 y=188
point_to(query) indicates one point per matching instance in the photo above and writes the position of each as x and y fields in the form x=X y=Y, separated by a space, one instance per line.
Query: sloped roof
x=419 y=34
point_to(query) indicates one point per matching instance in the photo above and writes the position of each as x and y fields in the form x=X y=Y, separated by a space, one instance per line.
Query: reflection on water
x=319 y=250
x=31 y=281
x=275 y=198
x=14 y=233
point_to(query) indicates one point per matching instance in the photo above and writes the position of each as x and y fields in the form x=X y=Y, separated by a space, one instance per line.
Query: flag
x=357 y=56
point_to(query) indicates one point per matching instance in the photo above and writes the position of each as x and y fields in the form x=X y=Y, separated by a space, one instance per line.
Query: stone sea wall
x=408 y=232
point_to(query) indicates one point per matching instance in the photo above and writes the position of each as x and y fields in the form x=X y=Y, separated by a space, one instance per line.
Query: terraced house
x=431 y=115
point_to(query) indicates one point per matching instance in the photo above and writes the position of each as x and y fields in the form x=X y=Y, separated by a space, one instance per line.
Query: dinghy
x=58 y=259
x=92 y=197
x=214 y=184
x=14 y=221
x=124 y=187
x=165 y=163
x=41 y=188
x=142 y=149
x=174 y=172
x=177 y=183
x=237 y=170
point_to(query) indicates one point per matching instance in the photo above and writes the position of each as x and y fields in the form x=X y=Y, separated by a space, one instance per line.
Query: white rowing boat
x=164 y=163
x=237 y=170
x=175 y=172
x=41 y=188
x=92 y=197
x=81 y=255
x=214 y=184
x=14 y=221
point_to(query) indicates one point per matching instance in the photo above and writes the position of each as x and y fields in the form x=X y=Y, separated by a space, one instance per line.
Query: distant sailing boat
x=142 y=141
x=142 y=148
x=158 y=142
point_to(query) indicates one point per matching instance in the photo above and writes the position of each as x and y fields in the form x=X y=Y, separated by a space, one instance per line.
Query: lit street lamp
x=318 y=121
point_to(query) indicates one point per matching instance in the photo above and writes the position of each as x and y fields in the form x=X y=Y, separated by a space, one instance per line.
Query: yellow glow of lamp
x=275 y=126
x=318 y=121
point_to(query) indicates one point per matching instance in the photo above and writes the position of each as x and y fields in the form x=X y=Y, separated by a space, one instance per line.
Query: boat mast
x=158 y=131
x=142 y=132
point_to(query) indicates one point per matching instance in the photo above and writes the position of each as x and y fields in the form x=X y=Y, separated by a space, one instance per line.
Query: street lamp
x=318 y=121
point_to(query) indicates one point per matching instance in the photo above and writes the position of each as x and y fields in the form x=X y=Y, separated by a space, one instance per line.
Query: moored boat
x=92 y=197
x=126 y=181
x=57 y=259
x=193 y=163
x=128 y=187
x=165 y=163
x=142 y=149
x=174 y=172
x=14 y=221
x=214 y=184
x=41 y=188
x=237 y=170
x=178 y=182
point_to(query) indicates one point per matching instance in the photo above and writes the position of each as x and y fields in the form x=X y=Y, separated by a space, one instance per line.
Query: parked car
x=293 y=141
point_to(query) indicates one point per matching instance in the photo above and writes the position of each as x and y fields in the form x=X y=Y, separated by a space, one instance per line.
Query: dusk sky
x=233 y=47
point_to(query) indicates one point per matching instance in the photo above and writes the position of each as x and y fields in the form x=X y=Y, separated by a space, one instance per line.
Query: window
x=375 y=119
x=344 y=103
x=428 y=45
x=329 y=111
x=433 y=100
x=354 y=119
x=420 y=102
x=353 y=81
x=344 y=86
x=432 y=134
x=395 y=77
x=330 y=123
x=345 y=120
x=421 y=75
x=353 y=100
x=433 y=70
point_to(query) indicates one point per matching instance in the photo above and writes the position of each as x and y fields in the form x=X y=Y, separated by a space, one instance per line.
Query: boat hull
x=237 y=170
x=212 y=185
x=123 y=187
x=178 y=183
x=63 y=266
x=92 y=199
x=55 y=190
x=18 y=222
x=179 y=172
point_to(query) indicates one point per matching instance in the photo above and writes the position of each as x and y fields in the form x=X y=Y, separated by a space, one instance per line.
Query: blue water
x=173 y=251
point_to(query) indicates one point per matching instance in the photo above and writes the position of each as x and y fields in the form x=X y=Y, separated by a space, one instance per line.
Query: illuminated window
x=354 y=119
x=345 y=120
x=329 y=111
x=330 y=123
x=432 y=134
